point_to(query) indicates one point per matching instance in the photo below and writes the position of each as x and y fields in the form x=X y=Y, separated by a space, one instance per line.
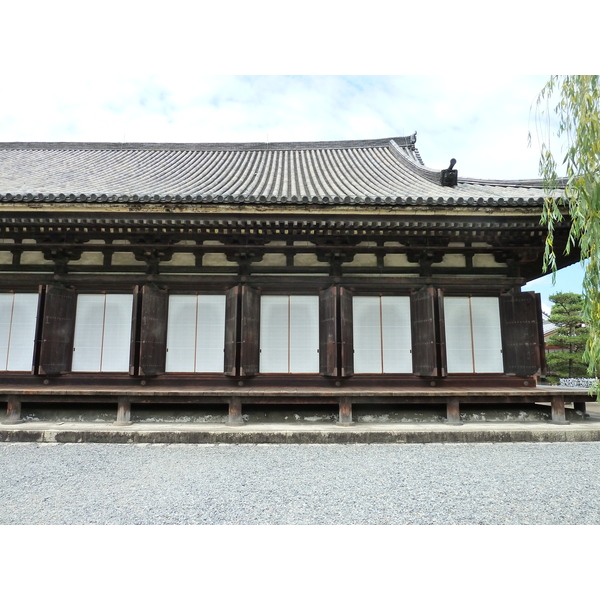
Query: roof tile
x=384 y=171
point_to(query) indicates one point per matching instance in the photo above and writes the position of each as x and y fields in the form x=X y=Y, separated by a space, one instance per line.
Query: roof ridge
x=529 y=183
x=404 y=141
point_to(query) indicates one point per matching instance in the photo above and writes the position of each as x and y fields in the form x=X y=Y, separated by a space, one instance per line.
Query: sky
x=134 y=71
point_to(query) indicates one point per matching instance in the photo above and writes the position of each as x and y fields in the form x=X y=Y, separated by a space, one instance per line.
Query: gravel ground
x=300 y=484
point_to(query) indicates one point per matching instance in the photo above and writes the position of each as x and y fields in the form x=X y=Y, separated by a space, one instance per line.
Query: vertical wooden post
x=558 y=410
x=13 y=410
x=580 y=406
x=235 y=412
x=453 y=412
x=123 y=412
x=345 y=412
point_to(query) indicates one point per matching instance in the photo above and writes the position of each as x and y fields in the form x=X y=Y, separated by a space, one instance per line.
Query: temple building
x=339 y=272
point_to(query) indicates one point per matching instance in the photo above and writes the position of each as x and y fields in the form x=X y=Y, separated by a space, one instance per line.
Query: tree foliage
x=568 y=112
x=571 y=336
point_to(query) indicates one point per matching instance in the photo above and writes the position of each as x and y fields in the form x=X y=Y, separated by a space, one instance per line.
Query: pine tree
x=571 y=335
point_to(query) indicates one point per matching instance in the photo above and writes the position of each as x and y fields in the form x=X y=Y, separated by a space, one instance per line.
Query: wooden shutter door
x=328 y=332
x=424 y=332
x=38 y=330
x=231 y=330
x=134 y=353
x=249 y=331
x=58 y=328
x=440 y=333
x=346 y=334
x=541 y=340
x=153 y=330
x=519 y=320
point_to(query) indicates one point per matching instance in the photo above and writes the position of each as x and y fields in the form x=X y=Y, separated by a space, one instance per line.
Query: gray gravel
x=300 y=484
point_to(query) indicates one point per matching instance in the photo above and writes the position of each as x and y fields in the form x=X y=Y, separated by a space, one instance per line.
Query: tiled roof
x=383 y=171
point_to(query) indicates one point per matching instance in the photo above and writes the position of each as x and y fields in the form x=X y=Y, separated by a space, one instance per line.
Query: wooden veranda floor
x=453 y=397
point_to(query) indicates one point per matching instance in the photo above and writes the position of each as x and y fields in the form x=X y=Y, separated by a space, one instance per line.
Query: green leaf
x=575 y=100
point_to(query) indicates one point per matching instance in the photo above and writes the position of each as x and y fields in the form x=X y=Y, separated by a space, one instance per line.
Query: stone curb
x=170 y=434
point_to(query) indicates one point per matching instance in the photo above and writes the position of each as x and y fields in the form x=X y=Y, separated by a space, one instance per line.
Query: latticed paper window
x=289 y=334
x=18 y=318
x=102 y=333
x=382 y=336
x=473 y=335
x=196 y=334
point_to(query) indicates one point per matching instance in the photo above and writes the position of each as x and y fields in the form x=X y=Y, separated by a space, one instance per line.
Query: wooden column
x=235 y=412
x=123 y=412
x=558 y=410
x=581 y=407
x=13 y=410
x=453 y=412
x=345 y=412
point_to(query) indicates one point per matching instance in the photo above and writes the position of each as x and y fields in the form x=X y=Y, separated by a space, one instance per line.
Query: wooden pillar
x=13 y=410
x=123 y=412
x=235 y=412
x=558 y=410
x=580 y=406
x=345 y=412
x=453 y=412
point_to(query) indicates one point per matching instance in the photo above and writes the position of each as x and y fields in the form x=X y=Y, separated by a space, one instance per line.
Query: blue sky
x=191 y=72
x=567 y=280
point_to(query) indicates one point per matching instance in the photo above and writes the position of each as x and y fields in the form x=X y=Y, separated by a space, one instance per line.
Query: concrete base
x=40 y=432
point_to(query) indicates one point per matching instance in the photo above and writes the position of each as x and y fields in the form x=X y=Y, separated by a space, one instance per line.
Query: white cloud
x=150 y=71
x=483 y=125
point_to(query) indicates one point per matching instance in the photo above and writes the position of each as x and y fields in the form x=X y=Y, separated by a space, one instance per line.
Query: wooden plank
x=467 y=394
